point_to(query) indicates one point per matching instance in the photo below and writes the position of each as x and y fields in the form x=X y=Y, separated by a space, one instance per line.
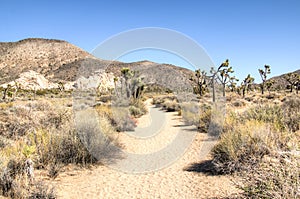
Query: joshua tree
x=17 y=87
x=223 y=75
x=246 y=84
x=269 y=85
x=233 y=85
x=201 y=82
x=263 y=75
x=293 y=79
x=61 y=86
x=127 y=74
x=5 y=92
x=133 y=83
x=115 y=83
x=137 y=86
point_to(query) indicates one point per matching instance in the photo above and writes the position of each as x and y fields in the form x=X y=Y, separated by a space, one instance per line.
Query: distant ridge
x=280 y=82
x=60 y=61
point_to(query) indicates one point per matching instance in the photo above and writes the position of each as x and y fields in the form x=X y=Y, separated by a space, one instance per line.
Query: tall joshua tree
x=223 y=75
x=293 y=79
x=127 y=74
x=201 y=81
x=246 y=84
x=137 y=86
x=263 y=74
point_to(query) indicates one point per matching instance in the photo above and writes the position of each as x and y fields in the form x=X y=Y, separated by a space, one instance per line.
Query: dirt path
x=170 y=182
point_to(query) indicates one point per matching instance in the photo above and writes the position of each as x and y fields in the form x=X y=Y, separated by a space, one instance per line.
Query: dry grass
x=46 y=134
x=261 y=145
x=274 y=178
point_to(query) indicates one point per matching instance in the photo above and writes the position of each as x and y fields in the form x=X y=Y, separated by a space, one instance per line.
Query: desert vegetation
x=257 y=140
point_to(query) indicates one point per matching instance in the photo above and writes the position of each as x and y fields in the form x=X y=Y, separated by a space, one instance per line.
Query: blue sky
x=249 y=33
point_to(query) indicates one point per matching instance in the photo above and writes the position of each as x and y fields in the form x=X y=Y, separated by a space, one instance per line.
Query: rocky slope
x=280 y=82
x=44 y=56
x=55 y=61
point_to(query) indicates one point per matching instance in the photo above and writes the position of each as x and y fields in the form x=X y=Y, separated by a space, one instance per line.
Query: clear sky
x=249 y=33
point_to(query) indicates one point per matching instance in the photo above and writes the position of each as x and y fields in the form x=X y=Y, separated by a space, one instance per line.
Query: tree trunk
x=201 y=91
x=5 y=93
x=213 y=88
x=224 y=91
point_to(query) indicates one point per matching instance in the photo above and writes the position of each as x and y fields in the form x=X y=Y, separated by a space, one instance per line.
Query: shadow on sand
x=207 y=167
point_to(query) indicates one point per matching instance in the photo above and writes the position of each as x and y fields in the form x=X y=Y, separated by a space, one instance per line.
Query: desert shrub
x=278 y=178
x=6 y=182
x=259 y=131
x=17 y=121
x=190 y=113
x=135 y=111
x=291 y=111
x=200 y=116
x=123 y=120
x=159 y=100
x=238 y=103
x=273 y=96
x=249 y=99
x=285 y=117
x=138 y=108
x=53 y=148
x=246 y=144
x=119 y=117
x=2 y=143
x=13 y=180
x=20 y=187
x=170 y=105
x=105 y=98
x=39 y=106
x=97 y=135
x=54 y=169
x=41 y=92
x=265 y=113
x=41 y=190
x=55 y=119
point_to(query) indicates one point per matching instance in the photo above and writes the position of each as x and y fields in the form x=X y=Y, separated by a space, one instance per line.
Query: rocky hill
x=59 y=61
x=44 y=56
x=280 y=82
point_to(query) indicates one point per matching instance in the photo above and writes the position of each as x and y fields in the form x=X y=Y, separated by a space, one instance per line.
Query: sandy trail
x=170 y=182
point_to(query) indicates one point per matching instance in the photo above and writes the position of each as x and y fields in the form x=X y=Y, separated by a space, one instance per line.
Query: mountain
x=280 y=82
x=44 y=56
x=58 y=61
